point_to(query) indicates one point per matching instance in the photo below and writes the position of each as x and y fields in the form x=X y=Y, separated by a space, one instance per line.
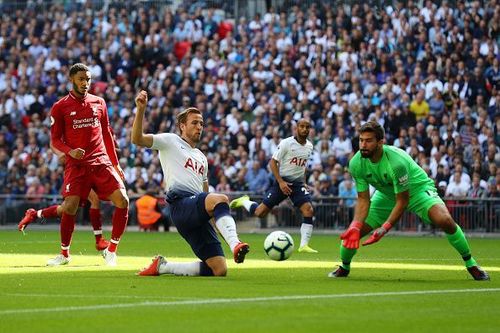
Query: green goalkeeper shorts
x=381 y=206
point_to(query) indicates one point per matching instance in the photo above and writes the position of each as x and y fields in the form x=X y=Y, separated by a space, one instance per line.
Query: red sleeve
x=56 y=130
x=108 y=137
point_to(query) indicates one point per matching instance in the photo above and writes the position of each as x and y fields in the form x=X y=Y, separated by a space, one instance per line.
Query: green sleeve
x=401 y=177
x=356 y=173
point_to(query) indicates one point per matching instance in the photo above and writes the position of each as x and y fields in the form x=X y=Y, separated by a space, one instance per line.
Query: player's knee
x=448 y=225
x=223 y=198
x=70 y=207
x=122 y=202
x=308 y=211
x=220 y=270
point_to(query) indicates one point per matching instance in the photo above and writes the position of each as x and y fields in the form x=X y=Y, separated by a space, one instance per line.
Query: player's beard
x=196 y=138
x=368 y=153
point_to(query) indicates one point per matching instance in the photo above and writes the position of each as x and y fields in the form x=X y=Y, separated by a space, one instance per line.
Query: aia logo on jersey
x=300 y=162
x=198 y=168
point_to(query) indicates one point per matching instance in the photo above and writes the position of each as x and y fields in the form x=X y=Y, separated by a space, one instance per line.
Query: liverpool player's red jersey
x=83 y=123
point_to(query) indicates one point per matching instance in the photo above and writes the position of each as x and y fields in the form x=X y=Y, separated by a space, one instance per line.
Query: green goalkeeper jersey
x=396 y=172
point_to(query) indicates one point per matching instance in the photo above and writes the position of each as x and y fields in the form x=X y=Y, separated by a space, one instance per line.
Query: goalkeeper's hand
x=352 y=235
x=378 y=234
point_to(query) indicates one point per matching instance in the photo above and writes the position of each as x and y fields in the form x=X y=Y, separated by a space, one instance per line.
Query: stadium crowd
x=430 y=75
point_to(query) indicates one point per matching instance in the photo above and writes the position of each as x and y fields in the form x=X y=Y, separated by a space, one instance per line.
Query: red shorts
x=103 y=179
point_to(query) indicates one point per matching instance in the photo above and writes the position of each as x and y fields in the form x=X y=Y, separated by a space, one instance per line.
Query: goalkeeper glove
x=352 y=235
x=378 y=234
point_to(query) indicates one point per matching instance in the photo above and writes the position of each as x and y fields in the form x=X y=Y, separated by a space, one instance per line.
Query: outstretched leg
x=440 y=216
x=217 y=205
x=161 y=266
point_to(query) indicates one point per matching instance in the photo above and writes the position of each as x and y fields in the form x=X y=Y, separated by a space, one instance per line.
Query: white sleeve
x=162 y=141
x=279 y=154
x=205 y=173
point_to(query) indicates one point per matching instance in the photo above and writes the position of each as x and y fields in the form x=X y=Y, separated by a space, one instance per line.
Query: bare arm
x=138 y=136
x=275 y=170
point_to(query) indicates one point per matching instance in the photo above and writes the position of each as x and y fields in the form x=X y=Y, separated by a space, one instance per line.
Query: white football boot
x=59 y=260
x=110 y=257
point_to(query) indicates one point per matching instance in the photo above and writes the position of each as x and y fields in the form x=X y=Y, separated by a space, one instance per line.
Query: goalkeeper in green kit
x=401 y=184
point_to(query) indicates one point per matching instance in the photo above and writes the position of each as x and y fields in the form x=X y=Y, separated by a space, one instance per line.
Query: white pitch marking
x=242 y=300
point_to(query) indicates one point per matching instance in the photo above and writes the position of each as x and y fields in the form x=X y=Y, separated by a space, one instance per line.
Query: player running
x=54 y=211
x=288 y=166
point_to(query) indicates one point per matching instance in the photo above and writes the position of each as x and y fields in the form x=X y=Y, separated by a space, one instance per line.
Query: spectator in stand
x=457 y=187
x=257 y=178
x=342 y=147
x=419 y=106
x=409 y=48
x=464 y=177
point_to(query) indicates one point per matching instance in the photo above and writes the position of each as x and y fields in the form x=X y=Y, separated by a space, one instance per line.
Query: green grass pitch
x=401 y=284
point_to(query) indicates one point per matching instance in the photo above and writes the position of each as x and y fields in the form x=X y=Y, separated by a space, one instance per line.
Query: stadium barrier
x=477 y=215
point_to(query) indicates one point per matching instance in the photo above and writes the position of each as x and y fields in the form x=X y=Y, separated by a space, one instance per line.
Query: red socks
x=120 y=219
x=66 y=230
x=50 y=212
x=95 y=220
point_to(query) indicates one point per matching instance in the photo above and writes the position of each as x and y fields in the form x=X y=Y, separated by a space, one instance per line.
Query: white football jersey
x=292 y=158
x=184 y=168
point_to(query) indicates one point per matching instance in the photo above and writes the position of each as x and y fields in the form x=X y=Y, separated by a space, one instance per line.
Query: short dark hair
x=373 y=127
x=182 y=116
x=78 y=67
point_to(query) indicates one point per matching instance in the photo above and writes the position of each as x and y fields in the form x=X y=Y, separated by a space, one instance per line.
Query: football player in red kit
x=80 y=130
x=55 y=211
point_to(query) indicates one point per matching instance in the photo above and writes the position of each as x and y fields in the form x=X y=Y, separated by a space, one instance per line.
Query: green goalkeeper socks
x=459 y=242
x=346 y=256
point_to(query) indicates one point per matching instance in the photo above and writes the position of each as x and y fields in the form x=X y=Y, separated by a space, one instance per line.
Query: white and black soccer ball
x=278 y=245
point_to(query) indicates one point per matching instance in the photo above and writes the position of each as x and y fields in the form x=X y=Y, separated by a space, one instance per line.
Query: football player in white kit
x=288 y=166
x=185 y=170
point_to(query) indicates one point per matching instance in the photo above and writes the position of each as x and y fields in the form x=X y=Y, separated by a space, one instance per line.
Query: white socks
x=180 y=268
x=247 y=204
x=305 y=233
x=227 y=228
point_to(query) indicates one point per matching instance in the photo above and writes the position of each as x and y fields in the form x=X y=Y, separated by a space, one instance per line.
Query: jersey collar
x=72 y=94
x=299 y=142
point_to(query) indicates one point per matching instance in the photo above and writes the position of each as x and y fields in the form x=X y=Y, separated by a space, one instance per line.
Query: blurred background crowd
x=428 y=71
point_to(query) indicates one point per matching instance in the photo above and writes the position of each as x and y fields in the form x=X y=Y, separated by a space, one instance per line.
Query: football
x=278 y=245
